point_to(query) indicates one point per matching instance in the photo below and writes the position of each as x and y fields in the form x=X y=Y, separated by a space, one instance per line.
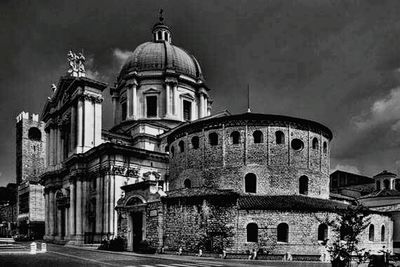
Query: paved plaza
x=17 y=254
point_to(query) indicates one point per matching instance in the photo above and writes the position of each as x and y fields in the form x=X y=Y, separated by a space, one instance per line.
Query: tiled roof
x=198 y=192
x=383 y=193
x=292 y=203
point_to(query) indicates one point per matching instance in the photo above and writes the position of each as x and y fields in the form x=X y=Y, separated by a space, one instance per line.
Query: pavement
x=58 y=255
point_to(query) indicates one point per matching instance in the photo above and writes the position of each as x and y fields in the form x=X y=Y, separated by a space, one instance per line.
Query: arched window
x=166 y=149
x=371 y=233
x=386 y=184
x=397 y=184
x=181 y=145
x=34 y=134
x=165 y=36
x=250 y=183
x=322 y=232
x=235 y=137
x=315 y=143
x=213 y=139
x=159 y=35
x=279 y=137
x=172 y=151
x=325 y=147
x=378 y=185
x=383 y=233
x=258 y=137
x=303 y=185
x=195 y=142
x=187 y=183
x=283 y=232
x=252 y=232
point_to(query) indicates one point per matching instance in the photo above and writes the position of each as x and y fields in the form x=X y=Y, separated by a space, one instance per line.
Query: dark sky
x=335 y=62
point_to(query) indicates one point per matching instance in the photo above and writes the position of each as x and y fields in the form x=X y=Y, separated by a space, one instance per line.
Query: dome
x=161 y=56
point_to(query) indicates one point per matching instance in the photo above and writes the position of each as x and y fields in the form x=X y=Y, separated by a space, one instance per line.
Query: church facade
x=171 y=174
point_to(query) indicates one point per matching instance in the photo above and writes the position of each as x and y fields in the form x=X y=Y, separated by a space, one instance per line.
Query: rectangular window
x=124 y=111
x=187 y=110
x=151 y=105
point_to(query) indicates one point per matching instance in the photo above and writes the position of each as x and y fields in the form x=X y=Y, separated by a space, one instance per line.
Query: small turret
x=385 y=180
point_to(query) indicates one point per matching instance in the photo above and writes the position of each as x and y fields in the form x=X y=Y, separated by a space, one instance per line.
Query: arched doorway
x=136 y=222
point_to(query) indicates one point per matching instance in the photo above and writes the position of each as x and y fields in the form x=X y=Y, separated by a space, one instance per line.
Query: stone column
x=84 y=205
x=106 y=217
x=99 y=205
x=59 y=223
x=51 y=213
x=88 y=128
x=73 y=130
x=201 y=106
x=111 y=200
x=176 y=101
x=60 y=145
x=115 y=99
x=78 y=214
x=66 y=222
x=134 y=101
x=97 y=122
x=57 y=145
x=129 y=104
x=48 y=163
x=72 y=217
x=167 y=100
x=79 y=127
x=51 y=146
x=46 y=210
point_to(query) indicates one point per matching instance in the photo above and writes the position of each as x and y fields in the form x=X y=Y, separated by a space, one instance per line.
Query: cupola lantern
x=161 y=32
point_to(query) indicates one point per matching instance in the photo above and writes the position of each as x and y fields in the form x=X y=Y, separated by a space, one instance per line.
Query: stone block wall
x=36 y=203
x=30 y=148
x=278 y=167
x=303 y=232
x=198 y=223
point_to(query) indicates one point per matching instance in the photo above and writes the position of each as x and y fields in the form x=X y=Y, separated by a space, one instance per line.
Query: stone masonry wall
x=198 y=223
x=278 y=167
x=190 y=224
x=31 y=153
x=303 y=232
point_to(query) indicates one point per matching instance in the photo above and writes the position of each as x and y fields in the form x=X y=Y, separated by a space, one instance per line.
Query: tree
x=347 y=226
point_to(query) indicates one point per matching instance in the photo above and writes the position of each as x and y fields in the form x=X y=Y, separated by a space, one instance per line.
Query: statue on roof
x=76 y=67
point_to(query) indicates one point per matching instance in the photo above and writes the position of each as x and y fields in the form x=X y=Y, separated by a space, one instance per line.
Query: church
x=171 y=173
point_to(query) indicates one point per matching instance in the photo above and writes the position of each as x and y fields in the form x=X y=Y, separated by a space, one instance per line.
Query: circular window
x=297 y=144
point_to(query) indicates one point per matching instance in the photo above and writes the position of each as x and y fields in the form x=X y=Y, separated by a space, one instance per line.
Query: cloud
x=346 y=168
x=121 y=56
x=91 y=70
x=382 y=111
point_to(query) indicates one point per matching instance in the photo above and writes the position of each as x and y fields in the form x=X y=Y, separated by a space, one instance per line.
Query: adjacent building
x=31 y=162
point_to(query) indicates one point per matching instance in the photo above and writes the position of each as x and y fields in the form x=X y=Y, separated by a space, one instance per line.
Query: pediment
x=152 y=91
x=187 y=96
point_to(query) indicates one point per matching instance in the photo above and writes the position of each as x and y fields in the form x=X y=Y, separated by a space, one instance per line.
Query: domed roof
x=162 y=56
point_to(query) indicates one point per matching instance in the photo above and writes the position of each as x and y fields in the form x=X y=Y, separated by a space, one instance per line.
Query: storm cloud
x=335 y=62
